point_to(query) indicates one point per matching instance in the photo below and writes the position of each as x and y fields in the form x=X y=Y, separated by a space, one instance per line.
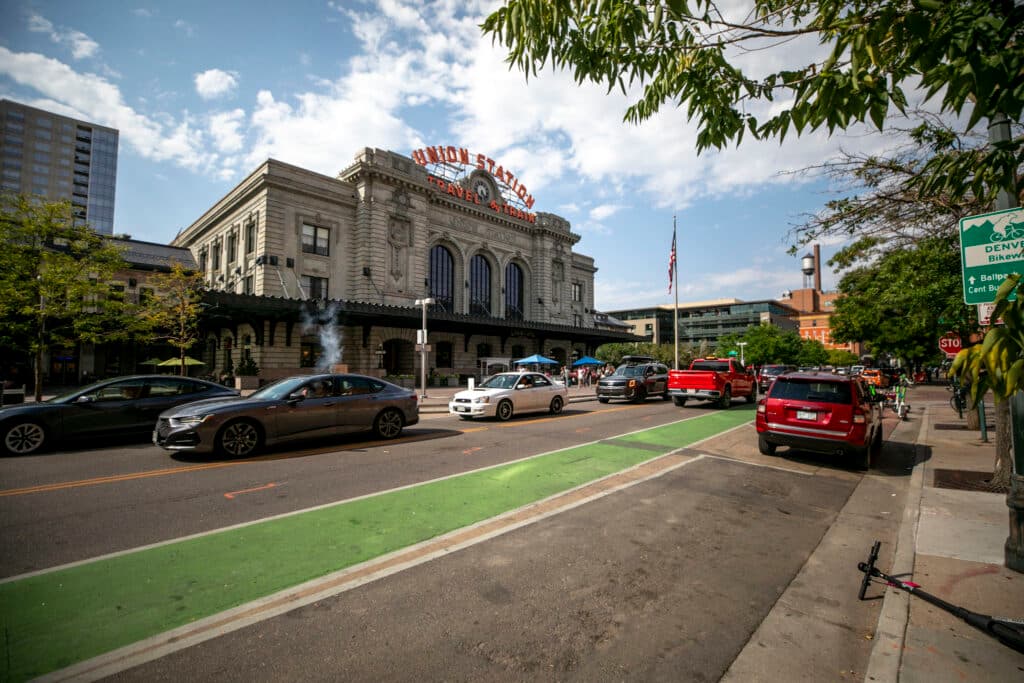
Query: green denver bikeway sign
x=991 y=247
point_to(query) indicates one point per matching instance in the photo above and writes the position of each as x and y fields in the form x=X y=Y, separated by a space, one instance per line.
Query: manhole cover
x=958 y=426
x=966 y=480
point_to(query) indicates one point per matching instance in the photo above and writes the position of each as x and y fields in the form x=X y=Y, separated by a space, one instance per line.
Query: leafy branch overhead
x=963 y=55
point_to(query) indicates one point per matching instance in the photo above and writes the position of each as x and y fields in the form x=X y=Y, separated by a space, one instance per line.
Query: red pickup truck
x=712 y=379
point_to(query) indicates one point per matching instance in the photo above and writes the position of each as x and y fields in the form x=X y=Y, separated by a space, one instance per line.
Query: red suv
x=823 y=413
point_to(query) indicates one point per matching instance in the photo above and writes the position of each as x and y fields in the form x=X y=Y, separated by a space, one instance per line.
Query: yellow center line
x=116 y=478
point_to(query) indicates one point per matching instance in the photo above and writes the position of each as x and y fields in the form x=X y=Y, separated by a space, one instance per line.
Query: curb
x=891 y=632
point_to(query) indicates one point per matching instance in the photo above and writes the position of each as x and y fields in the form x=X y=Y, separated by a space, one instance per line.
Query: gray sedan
x=292 y=408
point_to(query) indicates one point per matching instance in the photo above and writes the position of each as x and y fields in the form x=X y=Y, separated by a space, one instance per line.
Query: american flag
x=672 y=259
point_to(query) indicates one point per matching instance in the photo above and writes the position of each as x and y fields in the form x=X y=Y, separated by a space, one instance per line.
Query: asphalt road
x=664 y=580
x=72 y=505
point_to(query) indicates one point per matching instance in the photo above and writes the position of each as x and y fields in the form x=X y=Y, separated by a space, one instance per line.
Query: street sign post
x=950 y=344
x=991 y=247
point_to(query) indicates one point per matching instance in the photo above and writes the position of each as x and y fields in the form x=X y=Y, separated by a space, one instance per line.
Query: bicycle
x=958 y=401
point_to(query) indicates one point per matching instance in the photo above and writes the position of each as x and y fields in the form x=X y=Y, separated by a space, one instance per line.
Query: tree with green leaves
x=997 y=365
x=55 y=279
x=174 y=308
x=897 y=304
x=962 y=55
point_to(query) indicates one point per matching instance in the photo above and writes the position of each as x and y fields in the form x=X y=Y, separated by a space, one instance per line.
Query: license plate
x=691 y=391
x=806 y=415
x=460 y=409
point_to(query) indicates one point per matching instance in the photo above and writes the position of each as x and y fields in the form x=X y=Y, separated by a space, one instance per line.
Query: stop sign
x=950 y=343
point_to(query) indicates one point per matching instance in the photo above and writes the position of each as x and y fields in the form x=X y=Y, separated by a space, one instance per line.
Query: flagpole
x=675 y=310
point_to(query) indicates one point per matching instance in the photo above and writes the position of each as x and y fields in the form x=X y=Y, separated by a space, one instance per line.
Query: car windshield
x=279 y=390
x=815 y=391
x=500 y=381
x=630 y=370
x=773 y=370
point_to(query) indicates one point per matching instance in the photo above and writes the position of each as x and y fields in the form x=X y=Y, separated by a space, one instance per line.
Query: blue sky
x=202 y=92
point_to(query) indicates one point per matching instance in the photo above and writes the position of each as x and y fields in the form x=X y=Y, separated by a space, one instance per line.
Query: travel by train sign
x=991 y=247
x=516 y=200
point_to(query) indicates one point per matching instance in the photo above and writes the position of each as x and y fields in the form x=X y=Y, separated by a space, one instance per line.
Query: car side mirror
x=84 y=399
x=297 y=396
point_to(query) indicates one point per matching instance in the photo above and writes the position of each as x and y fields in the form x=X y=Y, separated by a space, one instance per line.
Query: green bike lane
x=58 y=618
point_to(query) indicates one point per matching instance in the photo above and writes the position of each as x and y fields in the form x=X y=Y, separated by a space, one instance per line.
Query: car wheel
x=726 y=398
x=24 y=438
x=752 y=396
x=602 y=399
x=504 y=411
x=764 y=446
x=239 y=439
x=876 y=448
x=862 y=457
x=388 y=424
x=556 y=405
x=640 y=396
x=665 y=395
x=679 y=400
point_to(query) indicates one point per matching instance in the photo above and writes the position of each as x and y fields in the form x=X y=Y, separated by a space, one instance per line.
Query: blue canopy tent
x=587 y=360
x=535 y=359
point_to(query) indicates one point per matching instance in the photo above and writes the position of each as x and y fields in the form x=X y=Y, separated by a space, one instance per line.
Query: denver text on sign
x=991 y=247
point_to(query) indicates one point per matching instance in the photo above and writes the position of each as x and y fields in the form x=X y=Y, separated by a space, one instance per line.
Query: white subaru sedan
x=510 y=393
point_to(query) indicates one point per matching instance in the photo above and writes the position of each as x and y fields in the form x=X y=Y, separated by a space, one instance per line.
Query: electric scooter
x=1009 y=632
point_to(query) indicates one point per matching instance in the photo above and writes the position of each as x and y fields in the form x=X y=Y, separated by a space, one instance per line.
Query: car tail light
x=762 y=406
x=858 y=417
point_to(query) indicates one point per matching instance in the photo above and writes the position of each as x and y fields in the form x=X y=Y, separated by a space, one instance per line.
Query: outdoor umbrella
x=152 y=361
x=535 y=359
x=587 y=360
x=189 y=360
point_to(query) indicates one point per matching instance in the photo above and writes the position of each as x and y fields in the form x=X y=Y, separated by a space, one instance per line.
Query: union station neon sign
x=451 y=155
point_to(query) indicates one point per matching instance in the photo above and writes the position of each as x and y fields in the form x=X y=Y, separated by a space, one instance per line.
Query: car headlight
x=482 y=399
x=188 y=420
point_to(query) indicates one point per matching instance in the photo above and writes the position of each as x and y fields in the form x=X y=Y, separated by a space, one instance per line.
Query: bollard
x=981 y=416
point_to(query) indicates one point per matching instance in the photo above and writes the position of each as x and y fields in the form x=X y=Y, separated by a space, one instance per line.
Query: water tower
x=807 y=267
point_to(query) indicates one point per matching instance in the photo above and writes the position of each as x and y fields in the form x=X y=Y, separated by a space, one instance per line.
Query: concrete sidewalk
x=950 y=543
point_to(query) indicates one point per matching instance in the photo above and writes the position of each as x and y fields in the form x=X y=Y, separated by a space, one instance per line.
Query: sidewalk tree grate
x=966 y=480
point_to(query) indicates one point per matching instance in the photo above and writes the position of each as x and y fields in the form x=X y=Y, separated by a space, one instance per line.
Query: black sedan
x=118 y=408
x=293 y=408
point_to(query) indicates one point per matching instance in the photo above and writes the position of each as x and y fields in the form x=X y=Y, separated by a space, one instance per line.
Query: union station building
x=307 y=270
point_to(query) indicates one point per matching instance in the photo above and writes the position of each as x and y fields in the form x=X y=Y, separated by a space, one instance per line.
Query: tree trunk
x=1004 y=445
x=37 y=374
x=973 y=418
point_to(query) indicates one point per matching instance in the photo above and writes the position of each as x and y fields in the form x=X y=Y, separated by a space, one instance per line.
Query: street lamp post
x=380 y=355
x=741 y=345
x=423 y=343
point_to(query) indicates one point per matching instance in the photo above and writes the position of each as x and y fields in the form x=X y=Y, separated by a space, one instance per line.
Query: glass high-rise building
x=57 y=157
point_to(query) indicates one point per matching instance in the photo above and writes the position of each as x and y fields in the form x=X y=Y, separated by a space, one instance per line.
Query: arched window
x=479 y=286
x=442 y=277
x=514 y=295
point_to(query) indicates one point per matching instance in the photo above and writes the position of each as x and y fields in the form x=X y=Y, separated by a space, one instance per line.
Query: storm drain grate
x=966 y=480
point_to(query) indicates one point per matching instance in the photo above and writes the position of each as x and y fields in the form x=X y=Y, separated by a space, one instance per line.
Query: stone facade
x=367 y=236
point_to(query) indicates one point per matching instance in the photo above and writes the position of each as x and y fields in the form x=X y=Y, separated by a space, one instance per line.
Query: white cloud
x=81 y=45
x=185 y=28
x=225 y=130
x=599 y=213
x=214 y=83
x=93 y=98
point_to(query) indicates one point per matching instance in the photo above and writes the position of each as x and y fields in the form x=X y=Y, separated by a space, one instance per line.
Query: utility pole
x=422 y=341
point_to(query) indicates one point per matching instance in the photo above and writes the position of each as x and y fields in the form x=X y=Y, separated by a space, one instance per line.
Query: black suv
x=634 y=380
